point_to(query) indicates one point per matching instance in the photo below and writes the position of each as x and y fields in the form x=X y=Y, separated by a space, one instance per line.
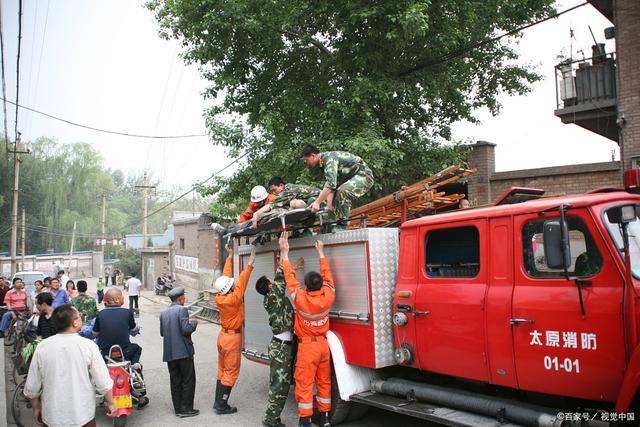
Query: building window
x=181 y=243
x=453 y=252
x=585 y=258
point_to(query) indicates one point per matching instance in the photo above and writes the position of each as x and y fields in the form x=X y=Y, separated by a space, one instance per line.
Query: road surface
x=249 y=394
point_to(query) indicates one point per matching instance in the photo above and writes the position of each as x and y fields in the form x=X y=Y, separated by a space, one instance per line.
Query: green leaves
x=335 y=73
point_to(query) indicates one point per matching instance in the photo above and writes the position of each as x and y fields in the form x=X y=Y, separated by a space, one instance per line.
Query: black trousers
x=133 y=301
x=182 y=374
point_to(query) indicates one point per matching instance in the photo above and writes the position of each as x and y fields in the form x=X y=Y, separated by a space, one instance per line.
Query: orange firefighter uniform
x=253 y=208
x=313 y=366
x=231 y=309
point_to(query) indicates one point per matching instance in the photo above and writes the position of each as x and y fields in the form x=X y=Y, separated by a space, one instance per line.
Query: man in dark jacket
x=176 y=329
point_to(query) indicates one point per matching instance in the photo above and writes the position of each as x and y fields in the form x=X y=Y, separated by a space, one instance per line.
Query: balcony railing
x=586 y=81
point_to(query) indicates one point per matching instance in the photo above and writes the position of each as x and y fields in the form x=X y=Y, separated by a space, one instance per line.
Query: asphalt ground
x=249 y=394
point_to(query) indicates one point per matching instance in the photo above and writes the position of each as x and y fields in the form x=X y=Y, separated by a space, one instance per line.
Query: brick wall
x=486 y=185
x=201 y=242
x=482 y=157
x=627 y=27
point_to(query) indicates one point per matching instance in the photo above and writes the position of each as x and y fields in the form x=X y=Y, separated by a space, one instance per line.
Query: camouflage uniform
x=306 y=193
x=348 y=176
x=280 y=313
x=86 y=306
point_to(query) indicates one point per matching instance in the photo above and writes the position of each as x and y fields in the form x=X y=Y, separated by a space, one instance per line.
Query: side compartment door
x=558 y=350
x=450 y=297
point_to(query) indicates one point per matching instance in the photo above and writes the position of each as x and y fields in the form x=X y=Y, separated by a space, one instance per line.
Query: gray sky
x=102 y=64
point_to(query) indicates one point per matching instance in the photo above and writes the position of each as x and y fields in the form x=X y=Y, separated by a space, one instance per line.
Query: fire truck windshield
x=633 y=230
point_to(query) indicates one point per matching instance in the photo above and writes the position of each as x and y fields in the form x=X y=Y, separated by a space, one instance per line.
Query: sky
x=102 y=64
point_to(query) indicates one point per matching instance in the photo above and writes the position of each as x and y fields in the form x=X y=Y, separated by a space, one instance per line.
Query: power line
x=4 y=89
x=460 y=52
x=132 y=135
x=35 y=92
x=236 y=160
x=18 y=65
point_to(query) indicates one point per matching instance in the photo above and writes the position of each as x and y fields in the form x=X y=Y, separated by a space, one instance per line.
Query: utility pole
x=22 y=244
x=13 y=246
x=104 y=215
x=144 y=187
x=73 y=240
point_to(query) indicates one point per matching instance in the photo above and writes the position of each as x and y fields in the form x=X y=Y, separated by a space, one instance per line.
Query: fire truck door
x=559 y=350
x=449 y=303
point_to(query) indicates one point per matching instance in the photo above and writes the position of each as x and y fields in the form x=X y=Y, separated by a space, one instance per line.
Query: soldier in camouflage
x=280 y=313
x=347 y=177
x=85 y=304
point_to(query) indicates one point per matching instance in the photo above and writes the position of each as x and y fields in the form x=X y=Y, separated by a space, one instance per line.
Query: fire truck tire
x=340 y=409
x=120 y=421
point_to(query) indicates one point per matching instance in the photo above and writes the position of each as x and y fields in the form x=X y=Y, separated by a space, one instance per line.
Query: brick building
x=155 y=263
x=601 y=94
x=195 y=252
x=487 y=185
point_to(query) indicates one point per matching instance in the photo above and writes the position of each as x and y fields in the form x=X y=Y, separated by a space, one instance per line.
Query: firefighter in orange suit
x=313 y=366
x=259 y=198
x=231 y=308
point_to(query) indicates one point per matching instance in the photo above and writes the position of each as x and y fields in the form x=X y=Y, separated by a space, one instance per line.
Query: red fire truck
x=522 y=313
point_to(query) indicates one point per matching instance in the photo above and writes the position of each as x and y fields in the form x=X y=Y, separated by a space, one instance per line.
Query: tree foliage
x=351 y=75
x=62 y=183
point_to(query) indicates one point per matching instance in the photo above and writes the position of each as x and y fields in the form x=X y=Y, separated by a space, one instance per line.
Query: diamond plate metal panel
x=348 y=254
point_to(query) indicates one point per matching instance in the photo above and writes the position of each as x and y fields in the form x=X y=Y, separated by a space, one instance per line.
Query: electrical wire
x=460 y=52
x=166 y=205
x=132 y=135
x=4 y=89
x=35 y=92
x=18 y=67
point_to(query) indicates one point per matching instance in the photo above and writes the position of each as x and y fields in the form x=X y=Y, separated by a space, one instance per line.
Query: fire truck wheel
x=341 y=410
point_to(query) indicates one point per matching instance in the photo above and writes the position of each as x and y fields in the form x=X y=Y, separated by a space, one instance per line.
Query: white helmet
x=223 y=284
x=258 y=193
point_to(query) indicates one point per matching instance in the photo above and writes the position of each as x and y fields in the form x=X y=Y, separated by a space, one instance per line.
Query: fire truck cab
x=514 y=312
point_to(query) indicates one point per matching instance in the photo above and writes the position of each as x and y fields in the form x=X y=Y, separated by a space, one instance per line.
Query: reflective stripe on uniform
x=305 y=405
x=323 y=400
x=250 y=210
x=313 y=316
x=329 y=286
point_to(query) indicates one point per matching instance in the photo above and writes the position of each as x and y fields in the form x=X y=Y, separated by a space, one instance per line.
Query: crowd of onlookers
x=63 y=316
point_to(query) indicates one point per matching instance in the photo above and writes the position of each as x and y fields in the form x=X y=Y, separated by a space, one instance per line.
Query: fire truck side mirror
x=557 y=252
x=623 y=214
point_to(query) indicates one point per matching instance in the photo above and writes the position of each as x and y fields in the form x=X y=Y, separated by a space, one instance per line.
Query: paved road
x=249 y=394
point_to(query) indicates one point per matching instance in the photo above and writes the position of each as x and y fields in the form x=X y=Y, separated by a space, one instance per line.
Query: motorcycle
x=128 y=386
x=163 y=285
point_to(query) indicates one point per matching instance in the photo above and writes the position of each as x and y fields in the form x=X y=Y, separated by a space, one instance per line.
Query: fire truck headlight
x=400 y=319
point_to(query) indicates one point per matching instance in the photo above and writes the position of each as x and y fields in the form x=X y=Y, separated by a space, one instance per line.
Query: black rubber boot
x=305 y=422
x=323 y=419
x=221 y=406
x=217 y=398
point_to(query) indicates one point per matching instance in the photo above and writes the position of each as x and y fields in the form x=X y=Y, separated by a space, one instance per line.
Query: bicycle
x=19 y=402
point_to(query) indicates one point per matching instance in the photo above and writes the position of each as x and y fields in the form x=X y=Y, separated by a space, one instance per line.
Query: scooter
x=163 y=285
x=128 y=386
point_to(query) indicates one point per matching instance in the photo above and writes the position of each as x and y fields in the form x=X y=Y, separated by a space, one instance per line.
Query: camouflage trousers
x=349 y=191
x=306 y=193
x=280 y=355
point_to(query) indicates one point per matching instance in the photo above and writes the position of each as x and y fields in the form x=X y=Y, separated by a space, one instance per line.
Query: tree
x=352 y=75
x=130 y=261
x=61 y=184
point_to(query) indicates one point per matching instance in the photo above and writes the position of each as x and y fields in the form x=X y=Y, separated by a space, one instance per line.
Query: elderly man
x=230 y=303
x=65 y=373
x=113 y=326
x=176 y=329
